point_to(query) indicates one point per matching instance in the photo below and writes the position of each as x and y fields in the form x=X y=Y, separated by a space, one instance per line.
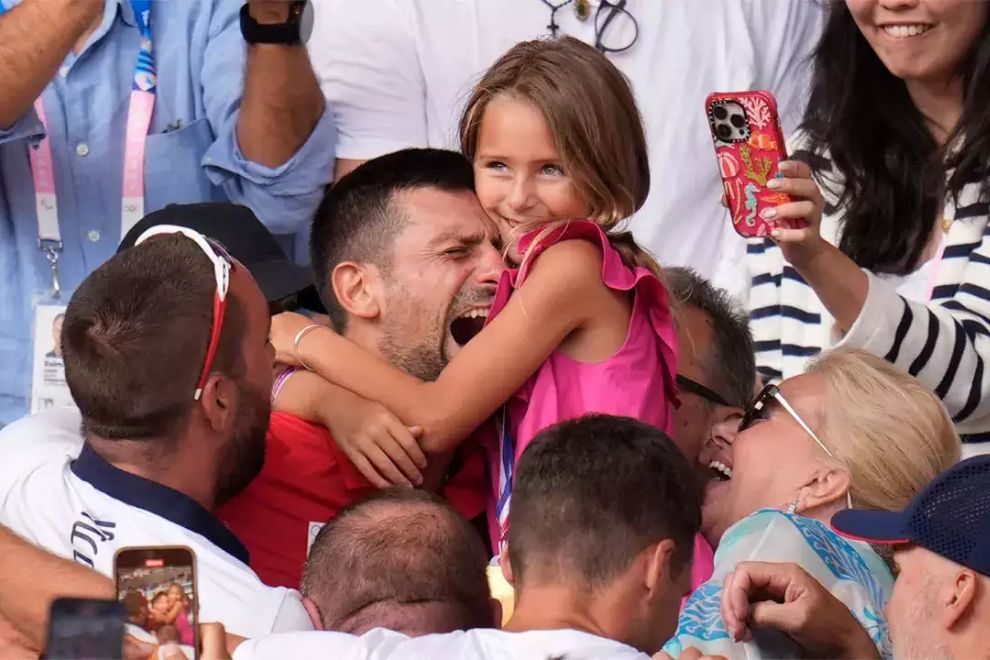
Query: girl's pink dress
x=638 y=381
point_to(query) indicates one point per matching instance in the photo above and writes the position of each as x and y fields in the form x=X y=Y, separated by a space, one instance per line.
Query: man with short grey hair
x=717 y=370
x=401 y=559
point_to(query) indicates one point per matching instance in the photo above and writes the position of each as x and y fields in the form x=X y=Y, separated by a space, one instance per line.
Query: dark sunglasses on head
x=697 y=388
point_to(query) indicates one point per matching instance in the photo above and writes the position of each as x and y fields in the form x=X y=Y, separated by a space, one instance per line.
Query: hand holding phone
x=749 y=147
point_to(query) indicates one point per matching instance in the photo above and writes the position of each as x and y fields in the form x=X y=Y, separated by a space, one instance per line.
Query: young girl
x=583 y=325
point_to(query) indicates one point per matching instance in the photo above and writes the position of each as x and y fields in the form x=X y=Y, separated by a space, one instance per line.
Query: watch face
x=306 y=18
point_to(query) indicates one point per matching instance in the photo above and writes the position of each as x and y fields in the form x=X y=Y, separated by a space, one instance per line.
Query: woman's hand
x=378 y=444
x=801 y=245
x=285 y=327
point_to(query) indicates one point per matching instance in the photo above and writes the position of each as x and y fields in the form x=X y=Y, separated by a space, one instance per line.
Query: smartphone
x=749 y=146
x=85 y=628
x=157 y=588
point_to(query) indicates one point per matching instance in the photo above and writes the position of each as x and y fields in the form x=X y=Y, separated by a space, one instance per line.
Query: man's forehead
x=435 y=215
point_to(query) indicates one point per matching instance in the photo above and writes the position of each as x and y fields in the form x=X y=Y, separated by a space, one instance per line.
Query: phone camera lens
x=723 y=131
x=719 y=112
x=738 y=121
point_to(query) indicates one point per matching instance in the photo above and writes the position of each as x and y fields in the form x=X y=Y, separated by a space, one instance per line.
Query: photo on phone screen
x=85 y=628
x=157 y=587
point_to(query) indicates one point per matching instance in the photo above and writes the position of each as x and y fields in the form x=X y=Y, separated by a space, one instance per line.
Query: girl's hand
x=285 y=327
x=380 y=446
x=800 y=246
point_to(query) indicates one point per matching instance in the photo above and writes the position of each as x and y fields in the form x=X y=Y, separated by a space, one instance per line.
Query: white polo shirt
x=59 y=494
x=480 y=644
x=397 y=74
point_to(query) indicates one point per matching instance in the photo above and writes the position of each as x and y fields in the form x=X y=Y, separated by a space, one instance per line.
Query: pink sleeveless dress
x=638 y=381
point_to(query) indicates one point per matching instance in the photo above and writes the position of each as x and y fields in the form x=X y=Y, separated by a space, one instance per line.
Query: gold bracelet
x=295 y=344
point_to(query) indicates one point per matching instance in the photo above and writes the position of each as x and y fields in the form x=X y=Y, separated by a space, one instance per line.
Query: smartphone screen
x=157 y=588
x=85 y=628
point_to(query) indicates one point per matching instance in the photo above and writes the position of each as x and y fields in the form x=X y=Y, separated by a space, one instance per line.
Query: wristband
x=295 y=344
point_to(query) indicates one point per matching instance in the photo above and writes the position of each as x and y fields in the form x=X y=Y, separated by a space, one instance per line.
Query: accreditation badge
x=48 y=386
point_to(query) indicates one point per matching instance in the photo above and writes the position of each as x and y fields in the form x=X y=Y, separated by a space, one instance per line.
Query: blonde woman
x=854 y=431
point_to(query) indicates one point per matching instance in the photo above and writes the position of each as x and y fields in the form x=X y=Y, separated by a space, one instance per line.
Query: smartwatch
x=293 y=32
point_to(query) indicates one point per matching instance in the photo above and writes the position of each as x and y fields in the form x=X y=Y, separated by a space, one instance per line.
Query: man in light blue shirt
x=231 y=122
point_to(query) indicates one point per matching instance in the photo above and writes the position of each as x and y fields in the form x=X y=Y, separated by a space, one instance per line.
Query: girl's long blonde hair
x=591 y=111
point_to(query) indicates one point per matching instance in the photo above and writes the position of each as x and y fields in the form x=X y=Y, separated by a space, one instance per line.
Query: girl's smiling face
x=520 y=175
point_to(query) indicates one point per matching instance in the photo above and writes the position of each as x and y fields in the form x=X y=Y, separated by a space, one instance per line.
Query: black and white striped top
x=944 y=341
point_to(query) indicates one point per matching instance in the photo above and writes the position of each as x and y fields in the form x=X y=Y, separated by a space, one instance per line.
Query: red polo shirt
x=305 y=481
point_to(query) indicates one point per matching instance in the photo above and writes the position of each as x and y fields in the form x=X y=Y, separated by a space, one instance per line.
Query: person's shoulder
x=492 y=643
x=573 y=253
x=51 y=437
x=378 y=643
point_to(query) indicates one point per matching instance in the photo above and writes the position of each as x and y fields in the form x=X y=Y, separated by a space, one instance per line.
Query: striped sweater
x=944 y=341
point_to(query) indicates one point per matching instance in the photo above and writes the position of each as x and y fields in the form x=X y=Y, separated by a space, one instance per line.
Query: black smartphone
x=157 y=588
x=85 y=628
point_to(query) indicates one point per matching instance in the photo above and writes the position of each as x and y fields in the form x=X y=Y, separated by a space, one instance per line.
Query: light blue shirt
x=191 y=155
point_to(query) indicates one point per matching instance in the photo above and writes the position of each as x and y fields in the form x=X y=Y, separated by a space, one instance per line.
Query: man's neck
x=941 y=102
x=556 y=608
x=146 y=459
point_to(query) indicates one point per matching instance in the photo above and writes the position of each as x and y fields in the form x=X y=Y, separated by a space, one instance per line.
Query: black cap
x=238 y=229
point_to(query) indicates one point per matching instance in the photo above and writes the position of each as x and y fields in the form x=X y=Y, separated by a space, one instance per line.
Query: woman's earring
x=792 y=508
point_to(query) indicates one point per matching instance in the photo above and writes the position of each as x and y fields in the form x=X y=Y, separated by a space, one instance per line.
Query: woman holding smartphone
x=890 y=175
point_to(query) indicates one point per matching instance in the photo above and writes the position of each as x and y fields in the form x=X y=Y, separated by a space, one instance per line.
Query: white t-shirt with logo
x=59 y=503
x=480 y=644
x=398 y=72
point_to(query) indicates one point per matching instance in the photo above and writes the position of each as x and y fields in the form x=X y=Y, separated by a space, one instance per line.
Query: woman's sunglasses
x=758 y=410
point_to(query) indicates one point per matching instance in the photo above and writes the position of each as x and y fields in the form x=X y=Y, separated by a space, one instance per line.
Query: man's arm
x=30 y=579
x=35 y=37
x=282 y=101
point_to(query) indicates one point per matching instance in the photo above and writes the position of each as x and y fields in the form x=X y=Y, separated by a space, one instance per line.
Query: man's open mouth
x=467 y=325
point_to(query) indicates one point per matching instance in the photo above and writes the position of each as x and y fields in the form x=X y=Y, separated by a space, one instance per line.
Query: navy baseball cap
x=950 y=517
x=246 y=239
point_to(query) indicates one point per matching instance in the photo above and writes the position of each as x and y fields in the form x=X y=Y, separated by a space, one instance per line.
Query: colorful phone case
x=749 y=145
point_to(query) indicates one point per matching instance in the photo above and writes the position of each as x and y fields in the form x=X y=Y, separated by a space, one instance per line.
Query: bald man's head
x=401 y=559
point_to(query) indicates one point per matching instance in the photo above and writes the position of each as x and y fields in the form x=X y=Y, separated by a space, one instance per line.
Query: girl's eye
x=551 y=170
x=495 y=165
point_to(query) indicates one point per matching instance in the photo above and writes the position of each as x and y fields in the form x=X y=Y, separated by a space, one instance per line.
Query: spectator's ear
x=962 y=597
x=358 y=289
x=219 y=402
x=830 y=485
x=659 y=571
x=314 y=613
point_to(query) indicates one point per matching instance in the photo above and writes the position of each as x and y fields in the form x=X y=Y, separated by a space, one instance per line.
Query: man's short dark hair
x=358 y=219
x=732 y=365
x=381 y=560
x=592 y=493
x=135 y=336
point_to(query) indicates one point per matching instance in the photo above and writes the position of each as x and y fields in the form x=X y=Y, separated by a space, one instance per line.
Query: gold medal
x=582 y=9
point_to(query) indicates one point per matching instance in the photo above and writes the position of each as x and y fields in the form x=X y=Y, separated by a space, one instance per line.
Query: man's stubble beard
x=245 y=455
